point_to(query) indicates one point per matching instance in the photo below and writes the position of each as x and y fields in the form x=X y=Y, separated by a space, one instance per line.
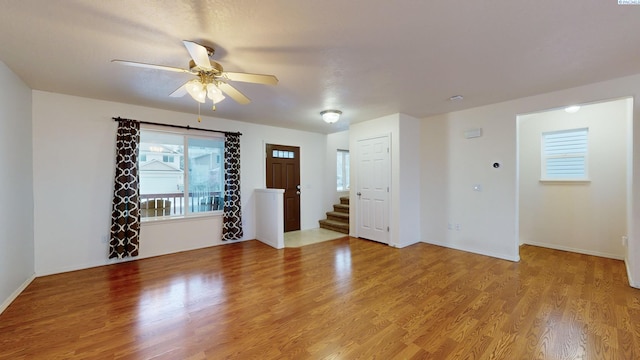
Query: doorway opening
x=574 y=178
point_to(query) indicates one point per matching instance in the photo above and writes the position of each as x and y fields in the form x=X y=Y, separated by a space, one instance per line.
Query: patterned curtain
x=232 y=220
x=125 y=218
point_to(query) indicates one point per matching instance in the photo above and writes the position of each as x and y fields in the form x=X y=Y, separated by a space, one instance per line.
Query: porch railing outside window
x=170 y=204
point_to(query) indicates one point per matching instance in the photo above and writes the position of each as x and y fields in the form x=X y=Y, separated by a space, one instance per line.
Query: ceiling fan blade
x=251 y=78
x=234 y=93
x=199 y=54
x=180 y=92
x=151 y=66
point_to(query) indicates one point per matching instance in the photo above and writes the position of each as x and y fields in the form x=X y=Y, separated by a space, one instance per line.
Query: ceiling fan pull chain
x=199 y=118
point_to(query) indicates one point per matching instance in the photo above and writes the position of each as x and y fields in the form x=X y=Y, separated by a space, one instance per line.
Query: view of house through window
x=343 y=170
x=171 y=186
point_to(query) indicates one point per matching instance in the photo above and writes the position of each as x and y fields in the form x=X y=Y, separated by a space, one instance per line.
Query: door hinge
x=387 y=229
x=387 y=189
x=387 y=150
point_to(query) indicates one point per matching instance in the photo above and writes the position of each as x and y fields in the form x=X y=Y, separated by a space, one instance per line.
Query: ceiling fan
x=212 y=80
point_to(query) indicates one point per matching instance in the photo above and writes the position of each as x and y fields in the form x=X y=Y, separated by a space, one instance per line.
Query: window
x=182 y=174
x=283 y=154
x=564 y=155
x=343 y=170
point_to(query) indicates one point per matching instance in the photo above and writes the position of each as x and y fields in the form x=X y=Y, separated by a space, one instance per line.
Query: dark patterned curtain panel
x=232 y=221
x=125 y=218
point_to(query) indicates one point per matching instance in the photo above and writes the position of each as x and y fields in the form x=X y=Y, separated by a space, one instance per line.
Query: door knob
x=358 y=193
x=298 y=186
x=298 y=192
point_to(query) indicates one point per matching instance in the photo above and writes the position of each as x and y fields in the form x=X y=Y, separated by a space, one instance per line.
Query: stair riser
x=340 y=209
x=333 y=228
x=338 y=218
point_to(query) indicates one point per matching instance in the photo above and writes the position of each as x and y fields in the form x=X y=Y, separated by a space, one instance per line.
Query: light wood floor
x=300 y=238
x=341 y=299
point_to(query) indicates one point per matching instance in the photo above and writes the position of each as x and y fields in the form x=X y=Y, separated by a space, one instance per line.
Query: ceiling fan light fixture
x=330 y=116
x=214 y=93
x=197 y=90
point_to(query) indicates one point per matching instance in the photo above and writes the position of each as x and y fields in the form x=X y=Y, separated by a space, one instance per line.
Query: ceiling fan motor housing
x=217 y=68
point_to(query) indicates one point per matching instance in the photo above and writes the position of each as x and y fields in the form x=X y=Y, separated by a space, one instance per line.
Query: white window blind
x=564 y=154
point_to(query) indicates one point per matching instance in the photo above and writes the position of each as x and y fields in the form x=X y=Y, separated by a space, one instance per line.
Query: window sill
x=565 y=181
x=180 y=218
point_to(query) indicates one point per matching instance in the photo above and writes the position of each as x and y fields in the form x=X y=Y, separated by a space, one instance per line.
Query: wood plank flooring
x=342 y=299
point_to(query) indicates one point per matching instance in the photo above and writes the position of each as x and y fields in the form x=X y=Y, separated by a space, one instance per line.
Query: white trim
x=575 y=250
x=404 y=245
x=629 y=275
x=475 y=251
x=16 y=293
x=564 y=181
x=176 y=218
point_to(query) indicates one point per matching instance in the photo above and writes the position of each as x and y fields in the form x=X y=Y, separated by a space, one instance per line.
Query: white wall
x=404 y=209
x=409 y=179
x=481 y=221
x=270 y=217
x=585 y=217
x=336 y=141
x=73 y=161
x=451 y=165
x=16 y=182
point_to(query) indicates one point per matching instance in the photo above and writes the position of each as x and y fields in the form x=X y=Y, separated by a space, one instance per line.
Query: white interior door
x=373 y=189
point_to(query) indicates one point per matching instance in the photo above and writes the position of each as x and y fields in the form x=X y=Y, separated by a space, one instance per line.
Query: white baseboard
x=575 y=250
x=632 y=283
x=476 y=251
x=404 y=245
x=16 y=293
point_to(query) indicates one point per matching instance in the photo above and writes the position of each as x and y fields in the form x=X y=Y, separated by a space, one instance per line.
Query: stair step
x=335 y=226
x=341 y=208
x=338 y=216
x=344 y=200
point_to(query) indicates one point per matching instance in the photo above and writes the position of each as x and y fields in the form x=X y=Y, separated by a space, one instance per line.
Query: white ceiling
x=368 y=58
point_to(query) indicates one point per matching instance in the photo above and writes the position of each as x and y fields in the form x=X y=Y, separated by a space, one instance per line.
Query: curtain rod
x=180 y=126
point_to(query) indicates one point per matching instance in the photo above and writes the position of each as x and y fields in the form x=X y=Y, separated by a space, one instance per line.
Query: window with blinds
x=564 y=155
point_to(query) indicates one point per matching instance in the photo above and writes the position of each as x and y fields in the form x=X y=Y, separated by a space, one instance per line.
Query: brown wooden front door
x=283 y=172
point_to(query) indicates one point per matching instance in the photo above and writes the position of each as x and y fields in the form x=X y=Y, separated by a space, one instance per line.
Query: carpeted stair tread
x=344 y=200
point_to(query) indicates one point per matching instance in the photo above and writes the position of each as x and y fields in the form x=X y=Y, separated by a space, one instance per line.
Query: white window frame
x=186 y=134
x=344 y=172
x=580 y=153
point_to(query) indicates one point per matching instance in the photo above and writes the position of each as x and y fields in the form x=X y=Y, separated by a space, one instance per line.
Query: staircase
x=338 y=219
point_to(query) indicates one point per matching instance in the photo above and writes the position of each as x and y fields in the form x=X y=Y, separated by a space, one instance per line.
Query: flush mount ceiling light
x=456 y=98
x=331 y=116
x=572 y=109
